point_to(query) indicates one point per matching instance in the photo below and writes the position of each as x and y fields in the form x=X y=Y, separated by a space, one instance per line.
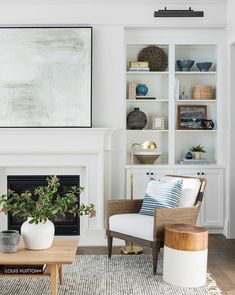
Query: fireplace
x=64 y=225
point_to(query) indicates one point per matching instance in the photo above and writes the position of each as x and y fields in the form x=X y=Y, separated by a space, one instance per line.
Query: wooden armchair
x=161 y=217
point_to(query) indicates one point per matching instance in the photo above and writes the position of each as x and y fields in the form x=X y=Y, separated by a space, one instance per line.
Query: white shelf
x=195 y=73
x=146 y=130
x=147 y=73
x=146 y=100
x=175 y=166
x=195 y=100
x=195 y=130
x=144 y=166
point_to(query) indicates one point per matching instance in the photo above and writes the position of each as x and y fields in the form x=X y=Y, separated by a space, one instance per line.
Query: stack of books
x=139 y=66
x=194 y=161
x=131 y=90
x=23 y=269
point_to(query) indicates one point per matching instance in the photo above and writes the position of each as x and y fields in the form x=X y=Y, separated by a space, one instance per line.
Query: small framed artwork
x=158 y=122
x=191 y=116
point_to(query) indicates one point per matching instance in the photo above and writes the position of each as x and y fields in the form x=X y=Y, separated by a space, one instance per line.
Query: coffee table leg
x=54 y=270
x=61 y=274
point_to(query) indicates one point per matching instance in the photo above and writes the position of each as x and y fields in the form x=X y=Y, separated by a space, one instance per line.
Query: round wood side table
x=185 y=255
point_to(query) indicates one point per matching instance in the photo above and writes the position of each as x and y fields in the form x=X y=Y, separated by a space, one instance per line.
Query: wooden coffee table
x=63 y=251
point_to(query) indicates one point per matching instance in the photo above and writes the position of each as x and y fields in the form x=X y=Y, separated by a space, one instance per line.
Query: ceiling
x=111 y=2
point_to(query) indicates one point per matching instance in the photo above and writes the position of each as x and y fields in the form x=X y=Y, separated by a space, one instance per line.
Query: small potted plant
x=40 y=207
x=197 y=151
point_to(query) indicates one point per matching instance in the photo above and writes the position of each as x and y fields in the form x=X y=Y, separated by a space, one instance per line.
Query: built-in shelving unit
x=173 y=142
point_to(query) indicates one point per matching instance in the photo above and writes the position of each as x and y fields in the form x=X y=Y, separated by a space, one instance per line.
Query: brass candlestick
x=128 y=250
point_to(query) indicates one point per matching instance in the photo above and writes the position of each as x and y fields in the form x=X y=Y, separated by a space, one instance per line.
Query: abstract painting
x=45 y=77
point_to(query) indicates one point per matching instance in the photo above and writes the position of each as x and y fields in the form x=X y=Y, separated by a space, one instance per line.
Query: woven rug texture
x=98 y=275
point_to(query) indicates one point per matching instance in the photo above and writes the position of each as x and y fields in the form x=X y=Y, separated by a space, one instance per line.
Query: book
x=23 y=269
x=177 y=89
x=129 y=96
x=138 y=64
x=139 y=69
x=145 y=97
x=194 y=161
x=131 y=90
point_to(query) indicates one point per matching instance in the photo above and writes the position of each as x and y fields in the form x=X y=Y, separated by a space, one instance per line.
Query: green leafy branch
x=45 y=202
x=198 y=148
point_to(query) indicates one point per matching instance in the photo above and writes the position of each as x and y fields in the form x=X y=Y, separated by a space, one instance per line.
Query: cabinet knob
x=151 y=173
x=147 y=173
x=198 y=173
x=203 y=173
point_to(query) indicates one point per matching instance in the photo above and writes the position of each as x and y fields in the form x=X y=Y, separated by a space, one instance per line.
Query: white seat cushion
x=140 y=226
x=189 y=192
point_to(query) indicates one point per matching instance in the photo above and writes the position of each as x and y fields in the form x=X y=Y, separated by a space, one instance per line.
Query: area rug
x=97 y=275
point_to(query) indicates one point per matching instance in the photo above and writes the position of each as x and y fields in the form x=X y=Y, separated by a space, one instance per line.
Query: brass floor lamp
x=128 y=250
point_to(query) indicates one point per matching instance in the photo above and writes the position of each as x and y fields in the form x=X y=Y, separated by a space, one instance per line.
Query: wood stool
x=185 y=255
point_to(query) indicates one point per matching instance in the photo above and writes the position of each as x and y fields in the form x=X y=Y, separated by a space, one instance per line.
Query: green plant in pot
x=40 y=207
x=197 y=151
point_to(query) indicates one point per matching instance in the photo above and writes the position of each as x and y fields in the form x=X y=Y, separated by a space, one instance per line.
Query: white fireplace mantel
x=82 y=151
x=54 y=140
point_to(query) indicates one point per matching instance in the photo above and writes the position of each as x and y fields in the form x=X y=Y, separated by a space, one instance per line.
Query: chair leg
x=155 y=250
x=127 y=243
x=110 y=245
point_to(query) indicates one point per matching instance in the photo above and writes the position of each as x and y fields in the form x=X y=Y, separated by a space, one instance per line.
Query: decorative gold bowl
x=147 y=156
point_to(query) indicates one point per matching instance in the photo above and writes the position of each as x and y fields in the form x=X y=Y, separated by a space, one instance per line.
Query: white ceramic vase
x=38 y=236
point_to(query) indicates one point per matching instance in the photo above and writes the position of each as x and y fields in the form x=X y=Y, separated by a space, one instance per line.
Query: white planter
x=38 y=236
x=197 y=155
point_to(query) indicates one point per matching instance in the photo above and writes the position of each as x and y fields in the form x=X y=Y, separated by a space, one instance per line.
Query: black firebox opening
x=64 y=225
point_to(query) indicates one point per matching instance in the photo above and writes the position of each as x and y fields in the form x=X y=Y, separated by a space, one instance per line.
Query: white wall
x=109 y=20
x=107 y=12
x=231 y=95
x=230 y=20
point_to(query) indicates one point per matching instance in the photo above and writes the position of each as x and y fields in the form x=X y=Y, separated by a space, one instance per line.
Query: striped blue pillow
x=161 y=195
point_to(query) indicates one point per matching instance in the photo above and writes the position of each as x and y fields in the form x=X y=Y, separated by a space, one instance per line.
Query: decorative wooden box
x=202 y=92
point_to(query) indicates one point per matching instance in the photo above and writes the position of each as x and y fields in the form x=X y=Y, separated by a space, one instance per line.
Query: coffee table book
x=23 y=269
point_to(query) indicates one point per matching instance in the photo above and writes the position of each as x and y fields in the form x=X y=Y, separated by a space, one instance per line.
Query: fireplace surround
x=67 y=225
x=85 y=152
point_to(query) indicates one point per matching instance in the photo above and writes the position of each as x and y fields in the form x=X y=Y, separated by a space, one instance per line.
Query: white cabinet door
x=211 y=213
x=141 y=179
x=212 y=209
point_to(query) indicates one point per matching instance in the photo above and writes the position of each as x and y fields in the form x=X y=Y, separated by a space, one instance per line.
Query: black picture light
x=178 y=13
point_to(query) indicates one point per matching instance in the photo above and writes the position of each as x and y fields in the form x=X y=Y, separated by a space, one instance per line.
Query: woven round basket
x=202 y=92
x=156 y=58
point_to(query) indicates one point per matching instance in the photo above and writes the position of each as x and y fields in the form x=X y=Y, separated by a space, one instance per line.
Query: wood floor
x=221 y=260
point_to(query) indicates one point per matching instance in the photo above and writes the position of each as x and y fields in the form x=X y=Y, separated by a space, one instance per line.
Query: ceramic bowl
x=185 y=65
x=147 y=157
x=204 y=66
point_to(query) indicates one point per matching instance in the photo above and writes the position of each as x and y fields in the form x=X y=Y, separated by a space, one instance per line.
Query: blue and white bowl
x=204 y=66
x=185 y=65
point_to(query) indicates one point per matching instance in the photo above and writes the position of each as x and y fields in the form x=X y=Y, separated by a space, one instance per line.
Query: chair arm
x=122 y=207
x=164 y=216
